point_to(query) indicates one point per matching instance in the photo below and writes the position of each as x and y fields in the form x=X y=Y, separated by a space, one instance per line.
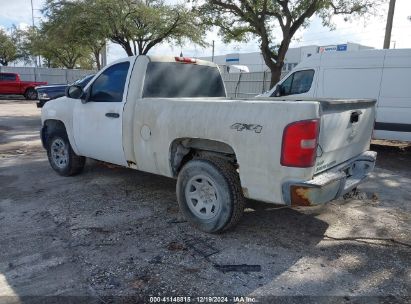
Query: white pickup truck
x=170 y=116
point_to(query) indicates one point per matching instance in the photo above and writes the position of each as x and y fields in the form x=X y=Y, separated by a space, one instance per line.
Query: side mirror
x=75 y=92
x=279 y=91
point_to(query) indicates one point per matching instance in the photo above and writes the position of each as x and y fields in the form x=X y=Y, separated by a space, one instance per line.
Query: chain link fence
x=245 y=85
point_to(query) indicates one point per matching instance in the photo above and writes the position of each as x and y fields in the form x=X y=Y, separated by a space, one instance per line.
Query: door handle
x=113 y=115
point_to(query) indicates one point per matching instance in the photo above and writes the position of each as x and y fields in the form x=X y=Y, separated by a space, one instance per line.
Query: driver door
x=97 y=123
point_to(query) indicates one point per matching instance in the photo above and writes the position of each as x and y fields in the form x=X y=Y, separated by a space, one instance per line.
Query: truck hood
x=52 y=86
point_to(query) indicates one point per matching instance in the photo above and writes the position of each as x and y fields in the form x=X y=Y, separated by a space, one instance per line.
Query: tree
x=82 y=23
x=241 y=20
x=137 y=26
x=8 y=48
x=57 y=44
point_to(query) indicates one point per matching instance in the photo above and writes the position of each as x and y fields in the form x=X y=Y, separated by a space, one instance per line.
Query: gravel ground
x=117 y=232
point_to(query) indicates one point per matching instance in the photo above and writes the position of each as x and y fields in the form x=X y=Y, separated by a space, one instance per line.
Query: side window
x=7 y=77
x=297 y=83
x=109 y=86
x=302 y=81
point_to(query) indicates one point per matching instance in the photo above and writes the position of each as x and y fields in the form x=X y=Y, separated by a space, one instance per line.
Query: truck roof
x=186 y=60
x=363 y=58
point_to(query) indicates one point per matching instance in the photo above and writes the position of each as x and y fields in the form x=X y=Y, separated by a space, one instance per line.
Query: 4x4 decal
x=249 y=127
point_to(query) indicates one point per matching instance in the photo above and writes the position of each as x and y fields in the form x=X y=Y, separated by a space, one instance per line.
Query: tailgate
x=345 y=131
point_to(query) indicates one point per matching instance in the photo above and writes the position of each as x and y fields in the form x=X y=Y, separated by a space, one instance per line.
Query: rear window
x=169 y=79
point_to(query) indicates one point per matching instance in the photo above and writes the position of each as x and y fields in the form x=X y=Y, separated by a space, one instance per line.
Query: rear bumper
x=330 y=184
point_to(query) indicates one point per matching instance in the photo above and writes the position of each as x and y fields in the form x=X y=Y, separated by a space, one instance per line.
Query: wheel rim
x=59 y=153
x=202 y=197
x=31 y=94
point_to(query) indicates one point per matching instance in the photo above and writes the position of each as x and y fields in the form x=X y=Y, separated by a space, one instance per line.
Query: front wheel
x=62 y=157
x=209 y=194
x=30 y=94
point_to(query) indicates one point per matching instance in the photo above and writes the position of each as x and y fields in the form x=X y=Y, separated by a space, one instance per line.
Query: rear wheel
x=30 y=94
x=209 y=194
x=62 y=157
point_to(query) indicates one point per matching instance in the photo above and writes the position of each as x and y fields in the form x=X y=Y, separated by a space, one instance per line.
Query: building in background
x=255 y=62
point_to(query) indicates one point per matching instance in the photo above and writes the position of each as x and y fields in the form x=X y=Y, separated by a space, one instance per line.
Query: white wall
x=255 y=62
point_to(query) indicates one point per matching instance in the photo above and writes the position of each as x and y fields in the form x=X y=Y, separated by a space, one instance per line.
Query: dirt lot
x=117 y=232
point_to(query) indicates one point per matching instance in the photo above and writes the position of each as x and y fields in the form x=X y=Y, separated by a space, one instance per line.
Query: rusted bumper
x=331 y=184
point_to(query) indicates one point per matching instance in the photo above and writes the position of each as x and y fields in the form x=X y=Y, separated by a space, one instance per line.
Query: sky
x=368 y=32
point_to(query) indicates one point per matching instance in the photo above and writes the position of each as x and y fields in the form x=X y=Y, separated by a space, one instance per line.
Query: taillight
x=300 y=144
x=185 y=59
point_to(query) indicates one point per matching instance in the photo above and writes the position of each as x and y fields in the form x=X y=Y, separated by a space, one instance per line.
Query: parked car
x=170 y=116
x=11 y=84
x=48 y=92
x=383 y=75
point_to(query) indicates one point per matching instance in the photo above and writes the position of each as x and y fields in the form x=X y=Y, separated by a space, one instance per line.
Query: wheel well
x=184 y=149
x=25 y=92
x=51 y=126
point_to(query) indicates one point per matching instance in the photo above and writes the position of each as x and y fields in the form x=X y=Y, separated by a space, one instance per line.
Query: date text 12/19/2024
x=202 y=299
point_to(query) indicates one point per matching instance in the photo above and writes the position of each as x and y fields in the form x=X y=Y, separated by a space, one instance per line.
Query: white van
x=384 y=75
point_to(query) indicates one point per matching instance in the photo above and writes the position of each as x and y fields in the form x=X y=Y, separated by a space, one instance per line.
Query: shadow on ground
x=394 y=157
x=116 y=232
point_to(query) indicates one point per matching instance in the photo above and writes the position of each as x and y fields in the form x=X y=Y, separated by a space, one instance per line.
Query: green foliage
x=242 y=20
x=8 y=48
x=140 y=25
x=76 y=31
x=66 y=38
x=78 y=24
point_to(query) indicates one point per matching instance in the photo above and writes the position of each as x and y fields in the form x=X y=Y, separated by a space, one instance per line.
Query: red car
x=11 y=84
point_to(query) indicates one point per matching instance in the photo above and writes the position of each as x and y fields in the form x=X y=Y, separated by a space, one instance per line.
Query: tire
x=62 y=157
x=30 y=94
x=209 y=194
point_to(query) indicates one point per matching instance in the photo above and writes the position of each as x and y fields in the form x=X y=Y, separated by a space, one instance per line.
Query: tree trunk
x=274 y=62
x=97 y=59
x=278 y=66
x=275 y=68
x=275 y=75
x=126 y=46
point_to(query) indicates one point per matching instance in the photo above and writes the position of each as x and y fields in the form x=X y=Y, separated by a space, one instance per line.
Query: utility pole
x=388 y=27
x=212 y=56
x=32 y=22
x=32 y=13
